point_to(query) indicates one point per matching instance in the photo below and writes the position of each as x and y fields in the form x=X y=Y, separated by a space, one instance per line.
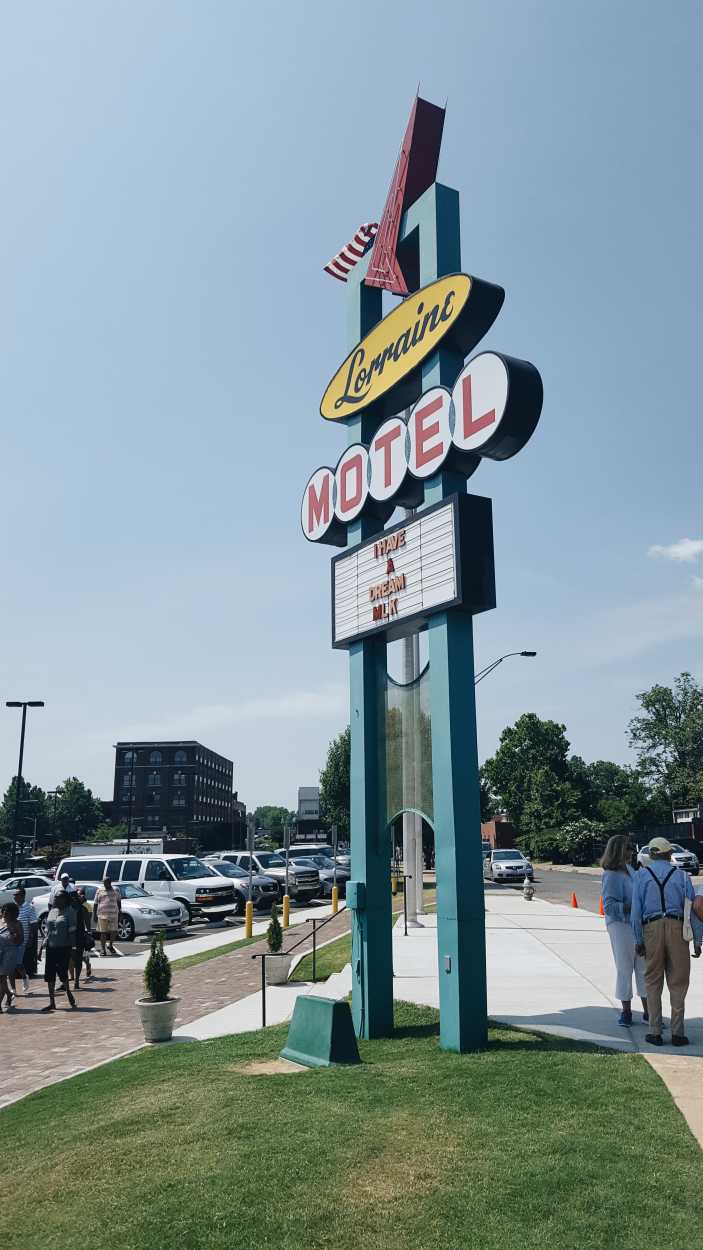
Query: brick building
x=182 y=789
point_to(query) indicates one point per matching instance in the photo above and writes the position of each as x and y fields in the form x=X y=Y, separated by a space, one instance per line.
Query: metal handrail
x=264 y=955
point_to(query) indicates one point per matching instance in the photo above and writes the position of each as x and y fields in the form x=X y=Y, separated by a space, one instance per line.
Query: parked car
x=679 y=856
x=264 y=889
x=32 y=883
x=326 y=868
x=303 y=879
x=196 y=885
x=141 y=913
x=509 y=865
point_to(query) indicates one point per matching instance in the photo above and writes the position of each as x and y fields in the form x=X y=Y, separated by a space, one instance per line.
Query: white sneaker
x=25 y=986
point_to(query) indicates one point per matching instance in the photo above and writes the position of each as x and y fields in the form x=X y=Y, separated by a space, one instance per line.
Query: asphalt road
x=557 y=887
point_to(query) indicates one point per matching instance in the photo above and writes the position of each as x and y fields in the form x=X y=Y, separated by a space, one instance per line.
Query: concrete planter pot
x=277 y=969
x=158 y=1018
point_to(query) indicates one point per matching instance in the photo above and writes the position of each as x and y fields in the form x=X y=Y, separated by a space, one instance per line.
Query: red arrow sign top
x=415 y=171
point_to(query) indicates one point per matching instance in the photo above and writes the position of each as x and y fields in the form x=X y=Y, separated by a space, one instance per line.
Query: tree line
x=561 y=805
x=52 y=823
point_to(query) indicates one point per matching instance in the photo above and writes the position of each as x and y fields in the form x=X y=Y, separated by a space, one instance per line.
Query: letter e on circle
x=430 y=432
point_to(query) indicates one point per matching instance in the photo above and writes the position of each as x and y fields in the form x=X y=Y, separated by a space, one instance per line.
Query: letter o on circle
x=351 y=482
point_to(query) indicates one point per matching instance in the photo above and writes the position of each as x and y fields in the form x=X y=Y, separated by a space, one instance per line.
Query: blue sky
x=175 y=176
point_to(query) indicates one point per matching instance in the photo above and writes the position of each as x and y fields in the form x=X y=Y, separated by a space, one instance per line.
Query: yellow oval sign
x=396 y=346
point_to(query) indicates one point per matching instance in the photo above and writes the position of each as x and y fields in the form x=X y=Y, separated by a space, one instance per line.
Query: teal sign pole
x=372 y=955
x=487 y=408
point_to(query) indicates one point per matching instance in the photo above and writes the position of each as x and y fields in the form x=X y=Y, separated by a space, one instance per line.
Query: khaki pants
x=667 y=956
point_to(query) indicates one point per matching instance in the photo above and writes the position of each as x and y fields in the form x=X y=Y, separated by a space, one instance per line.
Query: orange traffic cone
x=601 y=909
x=574 y=901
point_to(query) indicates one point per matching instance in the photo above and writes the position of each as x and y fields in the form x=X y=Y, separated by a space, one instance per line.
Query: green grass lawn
x=536 y=1144
x=329 y=959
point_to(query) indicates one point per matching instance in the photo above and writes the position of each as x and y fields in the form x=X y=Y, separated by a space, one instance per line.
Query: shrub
x=157 y=973
x=274 y=933
x=582 y=841
x=542 y=845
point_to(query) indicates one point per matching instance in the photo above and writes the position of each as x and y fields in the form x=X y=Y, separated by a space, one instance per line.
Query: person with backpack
x=662 y=896
x=60 y=941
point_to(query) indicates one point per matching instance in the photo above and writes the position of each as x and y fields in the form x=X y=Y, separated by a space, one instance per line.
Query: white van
x=202 y=891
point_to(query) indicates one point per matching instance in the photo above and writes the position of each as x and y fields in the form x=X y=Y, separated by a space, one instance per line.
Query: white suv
x=201 y=890
x=303 y=879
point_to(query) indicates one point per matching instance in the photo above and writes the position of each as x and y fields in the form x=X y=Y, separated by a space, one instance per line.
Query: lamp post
x=54 y=794
x=24 y=706
x=484 y=672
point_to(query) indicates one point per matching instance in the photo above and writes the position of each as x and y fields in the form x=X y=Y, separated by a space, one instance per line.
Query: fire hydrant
x=528 y=890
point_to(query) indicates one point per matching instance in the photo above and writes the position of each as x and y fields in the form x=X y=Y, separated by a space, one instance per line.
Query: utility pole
x=18 y=791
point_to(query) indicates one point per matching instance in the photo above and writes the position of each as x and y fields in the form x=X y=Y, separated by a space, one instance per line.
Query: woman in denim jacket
x=618 y=875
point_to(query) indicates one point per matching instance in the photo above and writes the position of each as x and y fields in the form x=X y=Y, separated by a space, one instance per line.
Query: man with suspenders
x=658 y=900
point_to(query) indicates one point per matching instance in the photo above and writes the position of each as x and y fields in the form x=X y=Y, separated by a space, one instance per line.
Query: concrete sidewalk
x=550 y=968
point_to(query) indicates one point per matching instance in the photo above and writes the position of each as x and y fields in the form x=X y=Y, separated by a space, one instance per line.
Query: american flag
x=341 y=265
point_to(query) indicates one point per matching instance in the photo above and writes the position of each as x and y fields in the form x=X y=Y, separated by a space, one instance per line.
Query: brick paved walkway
x=36 y=1049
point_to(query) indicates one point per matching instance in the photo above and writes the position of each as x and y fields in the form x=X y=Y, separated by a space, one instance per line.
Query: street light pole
x=484 y=672
x=15 y=822
x=55 y=795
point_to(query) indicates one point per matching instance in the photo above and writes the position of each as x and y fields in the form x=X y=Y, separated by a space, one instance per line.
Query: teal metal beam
x=461 y=936
x=372 y=954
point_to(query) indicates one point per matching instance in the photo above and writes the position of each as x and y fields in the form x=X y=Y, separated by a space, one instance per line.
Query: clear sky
x=175 y=175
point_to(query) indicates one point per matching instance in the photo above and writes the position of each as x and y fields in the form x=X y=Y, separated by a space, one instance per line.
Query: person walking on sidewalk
x=11 y=950
x=60 y=940
x=106 y=907
x=84 y=940
x=30 y=925
x=27 y=917
x=616 y=890
x=659 y=894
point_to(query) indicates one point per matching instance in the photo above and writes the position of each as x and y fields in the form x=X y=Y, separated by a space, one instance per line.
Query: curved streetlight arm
x=484 y=672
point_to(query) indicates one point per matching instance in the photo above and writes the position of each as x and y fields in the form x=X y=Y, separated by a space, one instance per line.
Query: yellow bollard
x=249 y=919
x=335 y=900
x=394 y=885
x=286 y=911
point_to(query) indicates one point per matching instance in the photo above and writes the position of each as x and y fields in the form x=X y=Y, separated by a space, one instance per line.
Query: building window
x=155 y=757
x=129 y=757
x=154 y=779
x=179 y=800
x=181 y=757
x=127 y=781
x=179 y=779
x=153 y=798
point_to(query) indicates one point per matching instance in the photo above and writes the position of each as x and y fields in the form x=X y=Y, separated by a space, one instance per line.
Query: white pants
x=622 y=940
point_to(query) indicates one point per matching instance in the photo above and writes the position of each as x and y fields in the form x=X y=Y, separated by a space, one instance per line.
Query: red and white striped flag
x=341 y=265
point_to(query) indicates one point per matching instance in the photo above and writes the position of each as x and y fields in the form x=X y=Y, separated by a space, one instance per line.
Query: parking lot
x=198 y=928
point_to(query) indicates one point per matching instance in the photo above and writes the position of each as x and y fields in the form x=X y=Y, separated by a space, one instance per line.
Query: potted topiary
x=157 y=1008
x=278 y=967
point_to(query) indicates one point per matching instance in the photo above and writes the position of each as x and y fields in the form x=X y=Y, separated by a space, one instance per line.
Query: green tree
x=334 y=783
x=78 y=812
x=668 y=739
x=621 y=799
x=274 y=818
x=33 y=803
x=529 y=775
